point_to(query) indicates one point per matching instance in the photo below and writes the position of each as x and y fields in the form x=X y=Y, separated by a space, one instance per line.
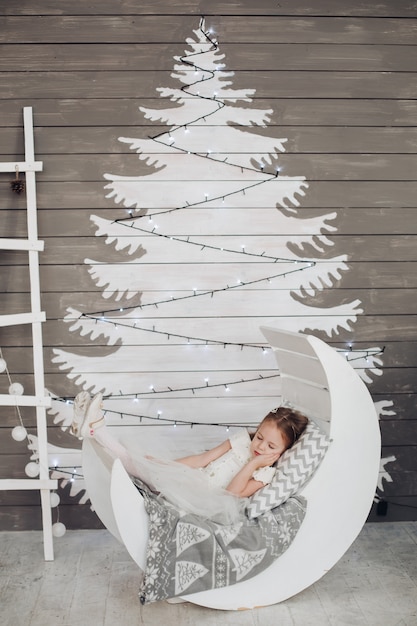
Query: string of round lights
x=19 y=432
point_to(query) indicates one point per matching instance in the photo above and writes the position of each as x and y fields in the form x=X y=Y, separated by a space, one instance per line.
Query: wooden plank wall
x=339 y=80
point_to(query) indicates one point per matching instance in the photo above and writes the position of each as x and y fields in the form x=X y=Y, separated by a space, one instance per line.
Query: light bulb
x=16 y=389
x=3 y=365
x=32 y=469
x=55 y=499
x=19 y=433
x=58 y=529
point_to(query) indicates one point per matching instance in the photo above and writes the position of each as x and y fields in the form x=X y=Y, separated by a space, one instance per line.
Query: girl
x=233 y=470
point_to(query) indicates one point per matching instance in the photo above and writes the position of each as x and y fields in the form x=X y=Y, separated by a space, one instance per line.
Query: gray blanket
x=187 y=554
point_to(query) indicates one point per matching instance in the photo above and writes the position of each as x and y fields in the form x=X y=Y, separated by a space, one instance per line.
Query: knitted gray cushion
x=295 y=467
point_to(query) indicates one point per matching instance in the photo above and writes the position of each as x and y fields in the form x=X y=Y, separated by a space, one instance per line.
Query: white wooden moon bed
x=318 y=381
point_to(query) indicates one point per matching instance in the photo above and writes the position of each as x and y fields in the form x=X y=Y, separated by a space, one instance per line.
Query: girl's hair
x=290 y=422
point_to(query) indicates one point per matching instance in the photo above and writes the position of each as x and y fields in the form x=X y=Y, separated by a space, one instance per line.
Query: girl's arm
x=243 y=485
x=203 y=459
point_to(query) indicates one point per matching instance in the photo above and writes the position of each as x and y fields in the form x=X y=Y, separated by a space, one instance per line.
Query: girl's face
x=268 y=438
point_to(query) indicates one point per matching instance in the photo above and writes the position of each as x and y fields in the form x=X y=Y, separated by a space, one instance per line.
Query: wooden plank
x=394 y=302
x=24 y=400
x=405 y=455
x=25 y=484
x=30 y=498
x=236 y=329
x=21 y=166
x=314 y=139
x=277 y=254
x=152 y=28
x=373 y=330
x=316 y=167
x=398 y=324
x=258 y=57
x=69 y=280
x=16 y=319
x=349 y=221
x=401 y=8
x=392 y=436
x=188 y=357
x=395 y=381
x=399 y=509
x=57 y=436
x=403 y=406
x=190 y=387
x=21 y=244
x=404 y=484
x=339 y=221
x=321 y=195
x=228 y=408
x=87 y=113
x=272 y=84
x=22 y=518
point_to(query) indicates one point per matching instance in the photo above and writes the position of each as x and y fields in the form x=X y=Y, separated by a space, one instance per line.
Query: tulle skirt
x=186 y=488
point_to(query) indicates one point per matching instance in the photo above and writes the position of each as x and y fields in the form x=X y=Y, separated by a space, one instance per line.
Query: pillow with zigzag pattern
x=295 y=467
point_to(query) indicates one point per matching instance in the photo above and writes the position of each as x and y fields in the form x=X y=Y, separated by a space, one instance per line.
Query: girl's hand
x=265 y=460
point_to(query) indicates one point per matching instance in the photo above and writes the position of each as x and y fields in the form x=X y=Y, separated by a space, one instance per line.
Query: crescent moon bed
x=318 y=381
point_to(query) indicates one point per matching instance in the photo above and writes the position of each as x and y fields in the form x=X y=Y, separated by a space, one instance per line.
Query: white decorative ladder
x=35 y=317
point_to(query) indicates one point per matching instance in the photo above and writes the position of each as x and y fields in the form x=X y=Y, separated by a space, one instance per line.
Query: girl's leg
x=116 y=449
x=89 y=422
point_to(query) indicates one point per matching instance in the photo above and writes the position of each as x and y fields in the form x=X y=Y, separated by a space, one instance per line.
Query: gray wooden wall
x=340 y=79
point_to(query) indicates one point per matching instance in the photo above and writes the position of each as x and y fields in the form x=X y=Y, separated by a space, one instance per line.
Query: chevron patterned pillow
x=294 y=469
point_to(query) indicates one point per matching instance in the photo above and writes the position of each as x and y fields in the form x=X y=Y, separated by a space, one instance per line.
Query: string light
x=362 y=354
x=210 y=292
x=169 y=390
x=159 y=138
x=133 y=220
x=188 y=89
x=19 y=433
x=70 y=470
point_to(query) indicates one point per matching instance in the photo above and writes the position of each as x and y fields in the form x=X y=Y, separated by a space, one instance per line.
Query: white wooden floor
x=93 y=582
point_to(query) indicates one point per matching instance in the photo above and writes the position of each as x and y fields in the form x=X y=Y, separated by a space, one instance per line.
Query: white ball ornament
x=3 y=366
x=16 y=389
x=32 y=469
x=55 y=499
x=19 y=433
x=58 y=529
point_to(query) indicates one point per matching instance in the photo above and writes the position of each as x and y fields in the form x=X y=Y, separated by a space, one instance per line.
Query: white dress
x=203 y=491
x=221 y=471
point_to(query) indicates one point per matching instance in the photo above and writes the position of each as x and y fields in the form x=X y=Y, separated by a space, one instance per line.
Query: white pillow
x=295 y=467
